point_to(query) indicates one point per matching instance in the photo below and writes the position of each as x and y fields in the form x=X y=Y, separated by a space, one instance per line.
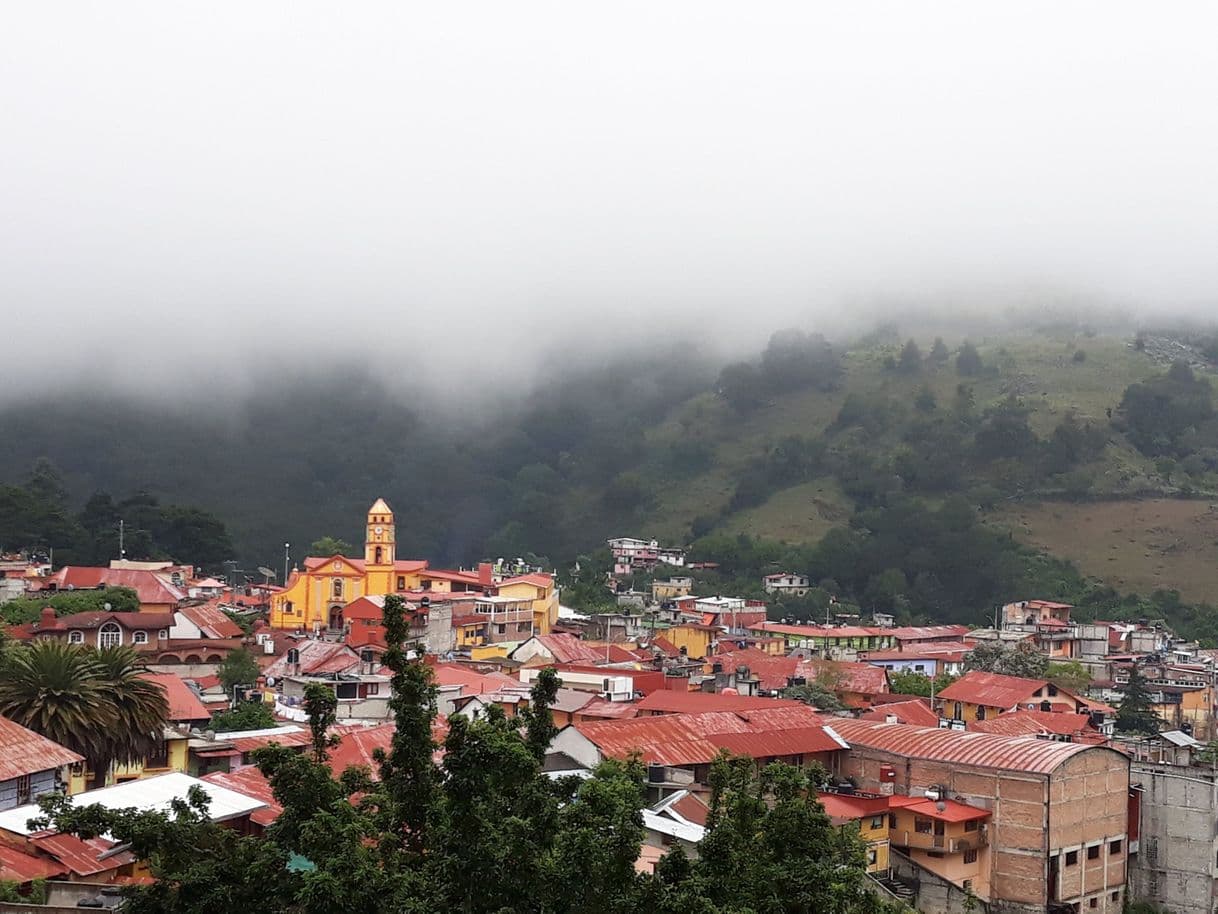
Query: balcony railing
x=944 y=843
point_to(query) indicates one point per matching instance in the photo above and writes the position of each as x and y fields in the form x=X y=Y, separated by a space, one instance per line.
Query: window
x=338 y=587
x=288 y=607
x=892 y=820
x=24 y=790
x=163 y=635
x=401 y=582
x=158 y=756
x=380 y=554
x=872 y=857
x=1114 y=847
x=971 y=825
x=501 y=628
x=877 y=822
x=109 y=635
x=1093 y=853
x=919 y=668
x=1053 y=693
x=139 y=638
x=1071 y=858
x=958 y=712
x=980 y=713
x=1115 y=896
x=922 y=826
x=374 y=688
x=970 y=856
x=76 y=637
x=1093 y=903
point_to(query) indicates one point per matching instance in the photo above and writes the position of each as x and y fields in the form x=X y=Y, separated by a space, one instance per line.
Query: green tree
x=925 y=401
x=994 y=657
x=141 y=707
x=1070 y=675
x=111 y=599
x=910 y=360
x=938 y=351
x=247 y=715
x=1134 y=714
x=94 y=702
x=239 y=668
x=908 y=682
x=968 y=361
x=330 y=545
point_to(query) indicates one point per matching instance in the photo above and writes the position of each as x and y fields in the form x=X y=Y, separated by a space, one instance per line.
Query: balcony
x=946 y=844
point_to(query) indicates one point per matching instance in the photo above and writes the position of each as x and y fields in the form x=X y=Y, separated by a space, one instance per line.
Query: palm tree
x=57 y=689
x=140 y=704
x=92 y=701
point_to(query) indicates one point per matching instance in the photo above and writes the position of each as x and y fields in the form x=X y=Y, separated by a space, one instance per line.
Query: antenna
x=267 y=573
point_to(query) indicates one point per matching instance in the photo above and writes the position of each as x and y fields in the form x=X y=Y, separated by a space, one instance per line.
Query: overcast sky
x=296 y=181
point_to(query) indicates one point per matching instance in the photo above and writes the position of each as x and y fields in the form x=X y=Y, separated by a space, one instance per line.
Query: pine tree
x=1134 y=714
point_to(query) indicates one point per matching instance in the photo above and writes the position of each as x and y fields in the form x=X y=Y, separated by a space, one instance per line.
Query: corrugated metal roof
x=668 y=701
x=251 y=782
x=184 y=704
x=211 y=620
x=992 y=689
x=155 y=793
x=690 y=739
x=81 y=857
x=983 y=750
x=925 y=632
x=149 y=587
x=19 y=866
x=25 y=752
x=916 y=711
x=1030 y=723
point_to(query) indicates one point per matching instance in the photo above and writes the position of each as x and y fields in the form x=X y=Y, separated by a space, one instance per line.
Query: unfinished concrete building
x=1176 y=864
x=1057 y=839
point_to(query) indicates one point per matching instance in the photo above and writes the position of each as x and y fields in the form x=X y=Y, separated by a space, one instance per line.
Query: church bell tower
x=379 y=536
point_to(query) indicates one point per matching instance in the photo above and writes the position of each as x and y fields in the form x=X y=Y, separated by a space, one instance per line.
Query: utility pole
x=122 y=553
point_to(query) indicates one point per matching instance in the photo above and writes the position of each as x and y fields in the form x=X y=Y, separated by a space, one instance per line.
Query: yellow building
x=867 y=814
x=314 y=596
x=693 y=637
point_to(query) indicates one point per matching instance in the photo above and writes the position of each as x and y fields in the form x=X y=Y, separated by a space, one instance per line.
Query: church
x=314 y=596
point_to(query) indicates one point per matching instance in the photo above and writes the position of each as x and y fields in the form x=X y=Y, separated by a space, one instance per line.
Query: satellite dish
x=270 y=680
x=266 y=572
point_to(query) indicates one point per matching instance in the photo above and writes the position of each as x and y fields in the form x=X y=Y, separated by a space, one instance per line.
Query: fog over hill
x=460 y=196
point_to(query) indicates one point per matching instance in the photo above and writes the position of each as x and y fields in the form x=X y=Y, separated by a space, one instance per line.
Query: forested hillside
x=910 y=472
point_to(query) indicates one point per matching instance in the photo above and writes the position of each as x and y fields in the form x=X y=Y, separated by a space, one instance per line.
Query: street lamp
x=286 y=546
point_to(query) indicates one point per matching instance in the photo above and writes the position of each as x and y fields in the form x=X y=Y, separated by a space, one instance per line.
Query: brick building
x=1057 y=837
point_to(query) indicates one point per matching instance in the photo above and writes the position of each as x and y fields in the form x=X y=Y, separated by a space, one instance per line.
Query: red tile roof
x=993 y=690
x=149 y=588
x=136 y=621
x=184 y=704
x=916 y=711
x=24 y=752
x=316 y=657
x=695 y=739
x=19 y=866
x=471 y=681
x=212 y=621
x=667 y=701
x=982 y=750
x=565 y=648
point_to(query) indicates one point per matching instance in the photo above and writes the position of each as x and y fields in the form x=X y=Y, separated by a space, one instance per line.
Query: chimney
x=484 y=574
x=47 y=618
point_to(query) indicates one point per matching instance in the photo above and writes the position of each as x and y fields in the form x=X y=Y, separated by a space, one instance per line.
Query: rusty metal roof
x=184 y=704
x=25 y=752
x=983 y=750
x=81 y=857
x=250 y=782
x=992 y=689
x=668 y=701
x=19 y=866
x=691 y=739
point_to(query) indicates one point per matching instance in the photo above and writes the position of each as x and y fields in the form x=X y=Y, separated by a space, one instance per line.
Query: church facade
x=315 y=595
